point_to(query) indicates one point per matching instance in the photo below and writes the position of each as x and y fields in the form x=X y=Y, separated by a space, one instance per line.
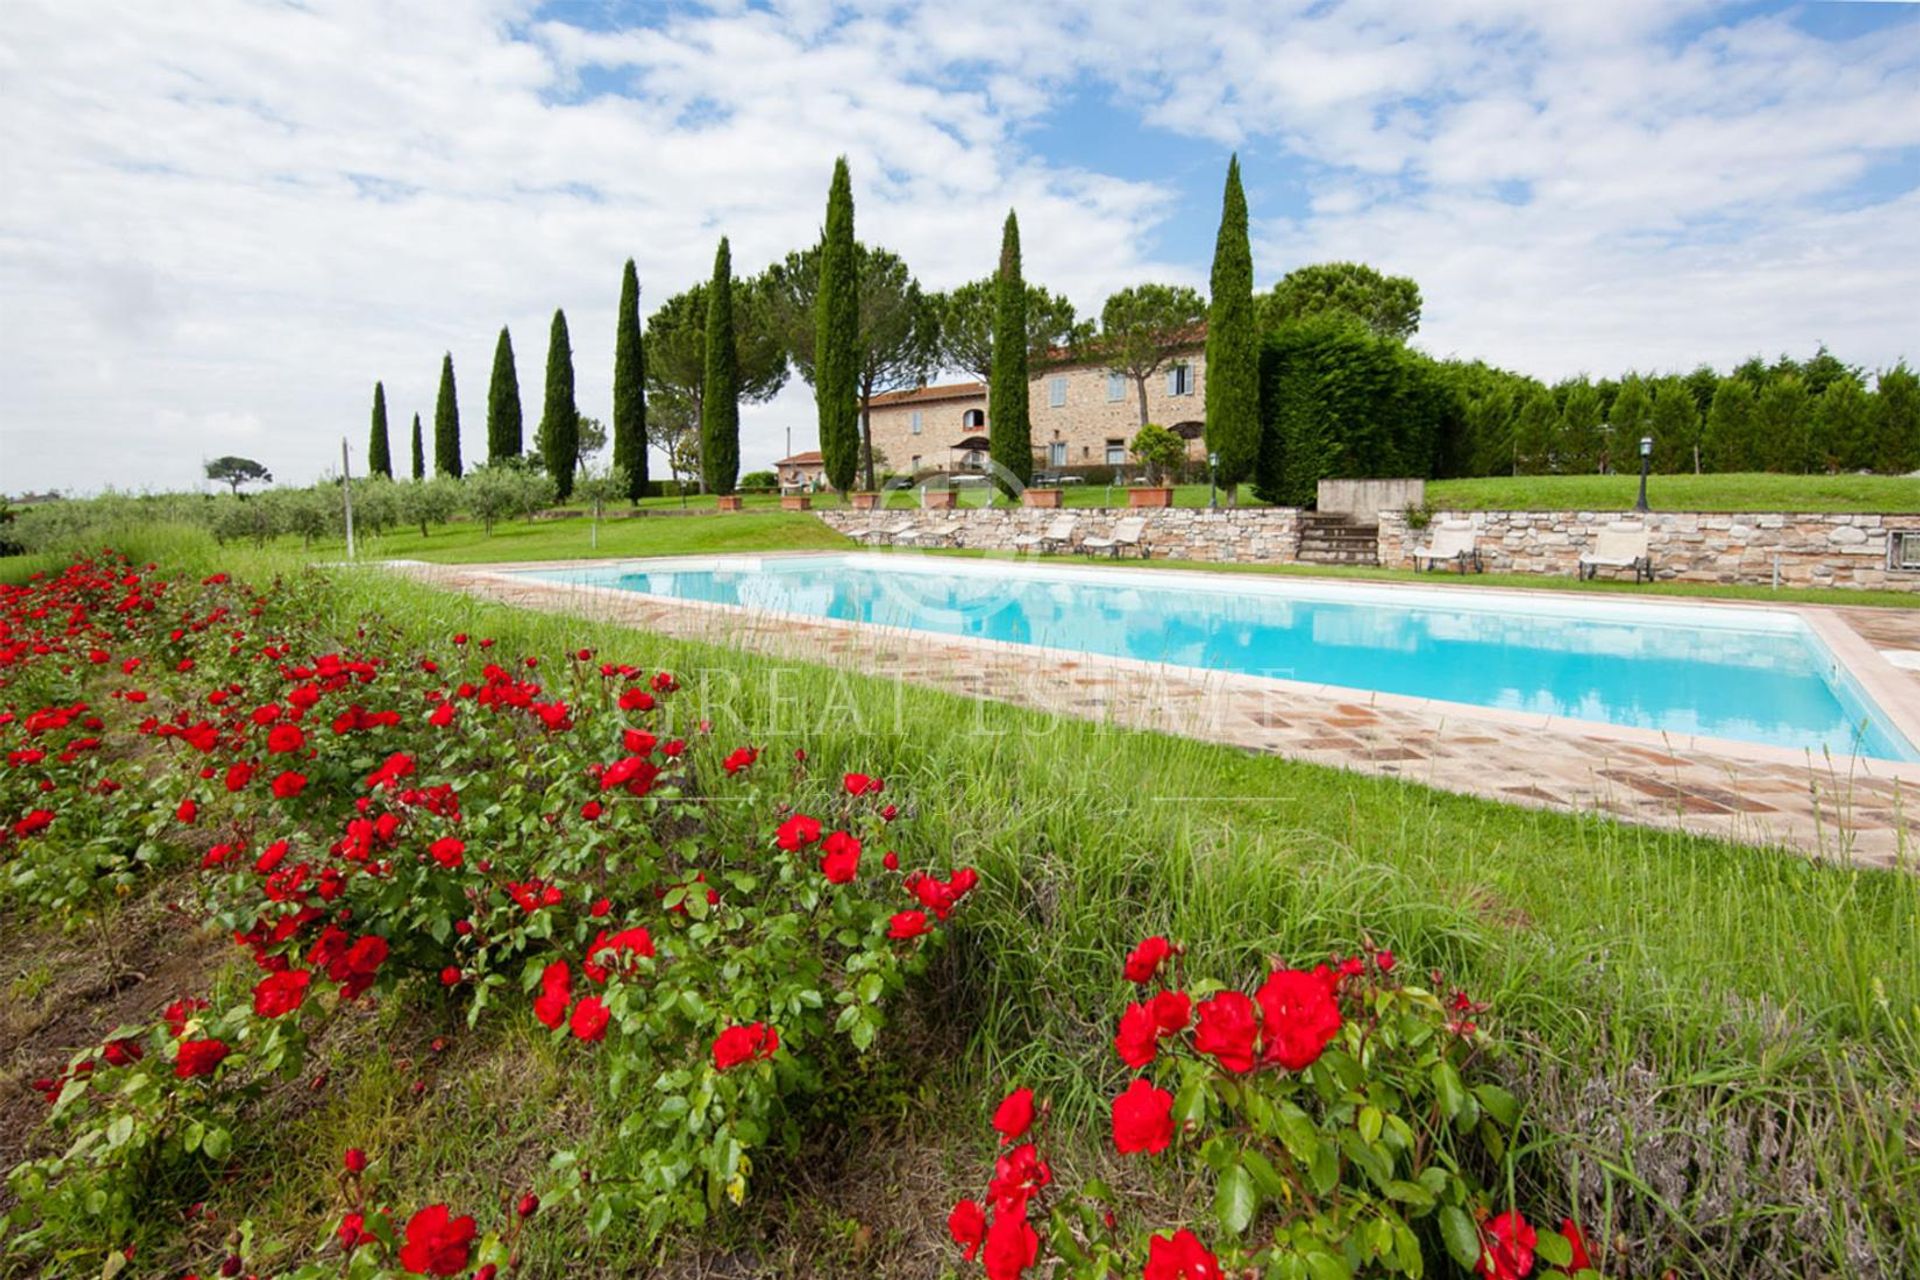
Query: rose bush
x=699 y=922
x=1334 y=1109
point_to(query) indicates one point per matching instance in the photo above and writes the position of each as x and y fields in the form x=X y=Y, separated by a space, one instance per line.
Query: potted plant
x=939 y=499
x=1159 y=451
x=795 y=502
x=727 y=501
x=865 y=501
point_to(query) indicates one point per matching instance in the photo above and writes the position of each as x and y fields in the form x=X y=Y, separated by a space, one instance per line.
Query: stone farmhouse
x=1082 y=416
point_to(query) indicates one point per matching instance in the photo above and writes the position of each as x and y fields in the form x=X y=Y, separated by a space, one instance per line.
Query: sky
x=221 y=222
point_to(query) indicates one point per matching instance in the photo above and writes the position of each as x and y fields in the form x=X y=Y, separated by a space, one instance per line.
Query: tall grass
x=1720 y=1045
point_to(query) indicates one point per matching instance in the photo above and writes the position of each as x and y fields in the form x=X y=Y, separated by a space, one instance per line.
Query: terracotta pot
x=1040 y=497
x=865 y=501
x=728 y=502
x=1151 y=496
x=939 y=499
x=795 y=502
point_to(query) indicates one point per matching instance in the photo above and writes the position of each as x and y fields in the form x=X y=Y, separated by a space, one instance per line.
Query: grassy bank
x=1718 y=1045
x=1756 y=491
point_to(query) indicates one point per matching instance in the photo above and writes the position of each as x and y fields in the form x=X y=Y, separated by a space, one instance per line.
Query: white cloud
x=220 y=222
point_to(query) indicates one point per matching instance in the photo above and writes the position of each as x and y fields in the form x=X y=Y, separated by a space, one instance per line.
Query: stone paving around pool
x=1850 y=810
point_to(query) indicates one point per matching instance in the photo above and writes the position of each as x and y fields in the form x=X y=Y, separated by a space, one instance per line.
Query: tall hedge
x=1009 y=425
x=630 y=388
x=720 y=395
x=446 y=424
x=560 y=418
x=1338 y=401
x=379 y=452
x=836 y=353
x=1233 y=343
x=505 y=434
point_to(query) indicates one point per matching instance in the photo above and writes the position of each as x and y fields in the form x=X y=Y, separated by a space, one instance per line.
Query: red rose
x=1011 y=1246
x=797 y=832
x=859 y=784
x=1014 y=1116
x=739 y=759
x=1172 y=1011
x=355 y=1160
x=238 y=776
x=1144 y=960
x=1298 y=1016
x=38 y=820
x=437 y=1245
x=840 y=858
x=289 y=784
x=355 y=969
x=199 y=1058
x=281 y=993
x=283 y=738
x=1227 y=1030
x=1018 y=1176
x=448 y=852
x=1506 y=1247
x=556 y=993
x=591 y=810
x=1180 y=1257
x=590 y=1018
x=1577 y=1241
x=1142 y=1119
x=736 y=1045
x=441 y=716
x=1138 y=1039
x=967 y=1224
x=907 y=924
x=187 y=811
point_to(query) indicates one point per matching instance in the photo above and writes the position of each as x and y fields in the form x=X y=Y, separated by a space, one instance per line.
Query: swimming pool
x=1750 y=674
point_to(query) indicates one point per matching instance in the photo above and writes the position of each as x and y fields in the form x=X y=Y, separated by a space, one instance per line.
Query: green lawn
x=468 y=543
x=1738 y=492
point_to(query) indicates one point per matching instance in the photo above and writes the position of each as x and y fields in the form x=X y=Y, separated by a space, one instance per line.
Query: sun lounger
x=1451 y=544
x=1619 y=546
x=947 y=534
x=875 y=533
x=1057 y=534
x=1127 y=535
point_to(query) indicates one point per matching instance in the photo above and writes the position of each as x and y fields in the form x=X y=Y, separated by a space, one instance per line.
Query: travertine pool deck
x=1844 y=809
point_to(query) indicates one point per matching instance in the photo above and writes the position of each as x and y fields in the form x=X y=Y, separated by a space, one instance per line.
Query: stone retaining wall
x=1256 y=535
x=1810 y=550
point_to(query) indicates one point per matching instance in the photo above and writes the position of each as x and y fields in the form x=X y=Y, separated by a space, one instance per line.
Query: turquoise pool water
x=1755 y=675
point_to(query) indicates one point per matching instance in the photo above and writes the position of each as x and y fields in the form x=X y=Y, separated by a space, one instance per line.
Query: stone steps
x=1337 y=540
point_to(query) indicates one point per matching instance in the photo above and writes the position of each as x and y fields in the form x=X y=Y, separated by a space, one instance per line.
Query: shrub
x=1159 y=450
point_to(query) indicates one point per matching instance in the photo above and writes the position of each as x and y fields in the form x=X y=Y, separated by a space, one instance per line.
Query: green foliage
x=379 y=453
x=1009 y=423
x=503 y=491
x=446 y=424
x=601 y=488
x=760 y=480
x=676 y=358
x=560 y=418
x=898 y=346
x=630 y=388
x=1629 y=421
x=1782 y=421
x=1144 y=327
x=234 y=472
x=1896 y=430
x=836 y=345
x=1159 y=450
x=418 y=449
x=720 y=396
x=505 y=435
x=1536 y=430
x=1727 y=439
x=1843 y=426
x=433 y=502
x=1339 y=401
x=1676 y=426
x=1388 y=305
x=966 y=326
x=1581 y=438
x=1233 y=346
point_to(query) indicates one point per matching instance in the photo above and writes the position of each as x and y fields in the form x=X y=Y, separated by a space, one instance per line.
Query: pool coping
x=1891 y=692
x=1850 y=808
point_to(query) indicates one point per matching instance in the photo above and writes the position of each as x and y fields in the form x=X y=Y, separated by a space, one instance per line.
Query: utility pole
x=346 y=493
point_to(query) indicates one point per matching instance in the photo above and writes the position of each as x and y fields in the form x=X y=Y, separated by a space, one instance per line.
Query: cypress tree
x=1843 y=425
x=720 y=394
x=1676 y=426
x=1580 y=428
x=504 y=434
x=446 y=424
x=379 y=455
x=419 y=452
x=1233 y=351
x=1009 y=432
x=630 y=389
x=1628 y=421
x=1896 y=421
x=560 y=421
x=1728 y=441
x=836 y=352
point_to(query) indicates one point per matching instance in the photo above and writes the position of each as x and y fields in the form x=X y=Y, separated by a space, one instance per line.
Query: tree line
x=1314 y=378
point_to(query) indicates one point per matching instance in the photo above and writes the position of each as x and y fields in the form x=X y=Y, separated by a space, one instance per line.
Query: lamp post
x=1213 y=484
x=1646 y=459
